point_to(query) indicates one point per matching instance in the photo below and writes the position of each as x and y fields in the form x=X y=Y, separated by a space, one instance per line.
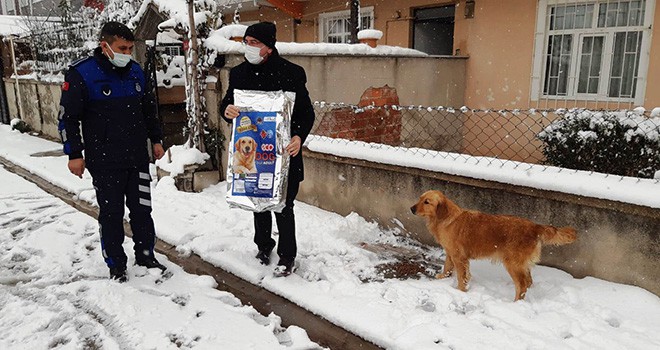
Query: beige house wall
x=393 y=18
x=652 y=97
x=499 y=41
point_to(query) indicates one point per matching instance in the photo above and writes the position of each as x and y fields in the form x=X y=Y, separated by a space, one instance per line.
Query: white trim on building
x=592 y=50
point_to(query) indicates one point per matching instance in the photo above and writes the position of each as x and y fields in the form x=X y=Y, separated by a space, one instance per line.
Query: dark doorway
x=433 y=30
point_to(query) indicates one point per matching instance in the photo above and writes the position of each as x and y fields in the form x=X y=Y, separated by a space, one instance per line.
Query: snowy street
x=54 y=291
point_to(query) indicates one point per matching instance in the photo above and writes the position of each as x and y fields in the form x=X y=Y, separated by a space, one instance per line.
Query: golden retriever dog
x=469 y=234
x=246 y=150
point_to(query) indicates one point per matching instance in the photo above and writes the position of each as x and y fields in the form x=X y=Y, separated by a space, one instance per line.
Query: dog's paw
x=443 y=275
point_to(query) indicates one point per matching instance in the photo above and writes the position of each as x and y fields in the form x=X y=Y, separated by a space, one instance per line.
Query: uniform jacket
x=273 y=75
x=116 y=112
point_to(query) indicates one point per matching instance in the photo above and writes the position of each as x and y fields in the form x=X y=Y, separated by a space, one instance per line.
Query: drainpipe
x=18 y=89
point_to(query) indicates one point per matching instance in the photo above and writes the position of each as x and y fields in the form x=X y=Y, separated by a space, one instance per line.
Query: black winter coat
x=273 y=75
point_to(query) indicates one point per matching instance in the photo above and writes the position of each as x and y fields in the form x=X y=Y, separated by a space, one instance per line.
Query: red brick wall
x=378 y=125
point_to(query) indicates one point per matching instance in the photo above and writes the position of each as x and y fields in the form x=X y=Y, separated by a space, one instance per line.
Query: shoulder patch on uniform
x=65 y=86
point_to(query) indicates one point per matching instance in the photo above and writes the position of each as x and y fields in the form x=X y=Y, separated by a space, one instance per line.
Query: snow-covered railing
x=623 y=143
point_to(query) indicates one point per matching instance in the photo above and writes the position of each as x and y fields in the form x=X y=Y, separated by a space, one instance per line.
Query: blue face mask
x=120 y=59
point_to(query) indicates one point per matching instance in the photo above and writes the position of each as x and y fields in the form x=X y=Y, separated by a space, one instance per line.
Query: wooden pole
x=355 y=20
x=197 y=132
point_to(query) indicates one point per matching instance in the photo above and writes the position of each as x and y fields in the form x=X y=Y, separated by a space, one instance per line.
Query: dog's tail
x=558 y=236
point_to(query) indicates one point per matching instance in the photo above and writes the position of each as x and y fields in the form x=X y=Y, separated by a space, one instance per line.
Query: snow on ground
x=338 y=279
x=54 y=290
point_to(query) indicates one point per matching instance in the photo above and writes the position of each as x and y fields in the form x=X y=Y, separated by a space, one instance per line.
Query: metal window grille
x=173 y=50
x=593 y=50
x=335 y=26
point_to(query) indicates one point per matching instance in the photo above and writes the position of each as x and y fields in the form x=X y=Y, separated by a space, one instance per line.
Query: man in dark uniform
x=265 y=70
x=107 y=94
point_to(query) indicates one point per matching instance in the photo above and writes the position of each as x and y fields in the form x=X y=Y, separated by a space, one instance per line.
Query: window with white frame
x=593 y=50
x=173 y=50
x=334 y=27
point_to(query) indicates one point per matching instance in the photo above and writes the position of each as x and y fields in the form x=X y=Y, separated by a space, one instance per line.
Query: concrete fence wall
x=617 y=242
x=39 y=104
x=427 y=81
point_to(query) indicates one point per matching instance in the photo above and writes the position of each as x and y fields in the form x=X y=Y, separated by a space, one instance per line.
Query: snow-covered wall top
x=219 y=42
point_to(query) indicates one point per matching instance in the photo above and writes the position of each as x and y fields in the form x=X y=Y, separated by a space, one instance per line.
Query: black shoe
x=150 y=263
x=264 y=256
x=284 y=268
x=118 y=274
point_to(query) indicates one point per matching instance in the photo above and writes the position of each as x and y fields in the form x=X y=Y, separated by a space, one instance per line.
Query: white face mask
x=120 y=60
x=253 y=54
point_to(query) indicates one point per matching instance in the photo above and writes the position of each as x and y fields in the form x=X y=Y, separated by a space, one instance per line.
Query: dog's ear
x=237 y=145
x=441 y=210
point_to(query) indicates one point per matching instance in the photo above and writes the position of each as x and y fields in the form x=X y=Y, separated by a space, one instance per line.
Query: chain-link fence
x=625 y=143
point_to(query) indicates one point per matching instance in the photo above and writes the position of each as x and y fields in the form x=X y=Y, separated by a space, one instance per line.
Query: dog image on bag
x=244 y=156
x=469 y=234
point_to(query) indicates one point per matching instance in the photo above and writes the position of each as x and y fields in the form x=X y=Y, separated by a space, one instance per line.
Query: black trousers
x=286 y=225
x=112 y=187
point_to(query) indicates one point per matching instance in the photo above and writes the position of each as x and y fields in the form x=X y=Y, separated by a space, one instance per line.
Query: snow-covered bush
x=621 y=143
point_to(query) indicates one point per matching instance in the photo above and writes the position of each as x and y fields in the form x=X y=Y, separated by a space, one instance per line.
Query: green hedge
x=620 y=143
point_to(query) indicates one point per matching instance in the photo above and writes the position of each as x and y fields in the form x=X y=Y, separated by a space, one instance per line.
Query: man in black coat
x=107 y=94
x=265 y=70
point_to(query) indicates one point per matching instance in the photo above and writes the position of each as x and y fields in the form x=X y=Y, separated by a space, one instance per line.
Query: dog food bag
x=258 y=167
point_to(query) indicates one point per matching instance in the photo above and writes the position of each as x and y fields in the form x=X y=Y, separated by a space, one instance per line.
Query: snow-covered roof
x=183 y=20
x=168 y=37
x=174 y=9
x=18 y=25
